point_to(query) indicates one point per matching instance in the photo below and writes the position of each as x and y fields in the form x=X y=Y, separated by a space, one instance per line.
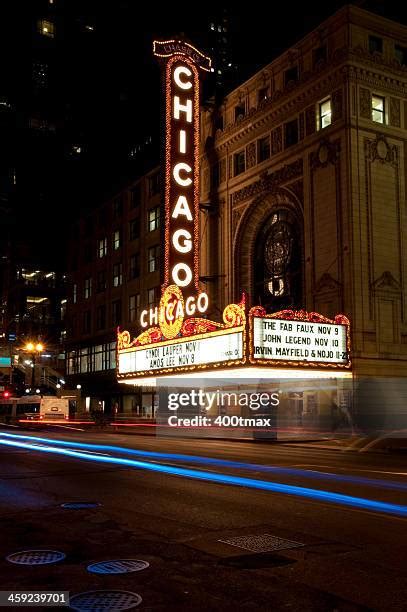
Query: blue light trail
x=227 y=463
x=314 y=494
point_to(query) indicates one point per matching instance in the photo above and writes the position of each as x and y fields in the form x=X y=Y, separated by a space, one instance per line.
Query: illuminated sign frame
x=305 y=317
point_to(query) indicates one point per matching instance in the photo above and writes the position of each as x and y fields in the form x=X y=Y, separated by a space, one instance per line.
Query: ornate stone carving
x=297 y=188
x=250 y=155
x=276 y=140
x=337 y=105
x=310 y=120
x=379 y=149
x=327 y=284
x=365 y=103
x=268 y=182
x=394 y=112
x=328 y=153
x=236 y=216
x=386 y=283
x=222 y=170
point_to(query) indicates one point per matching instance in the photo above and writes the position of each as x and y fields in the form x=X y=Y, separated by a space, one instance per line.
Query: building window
x=325 y=114
x=134 y=306
x=239 y=162
x=134 y=267
x=88 y=288
x=153 y=295
x=116 y=240
x=219 y=123
x=375 y=44
x=153 y=218
x=87 y=254
x=75 y=293
x=116 y=312
x=319 y=55
x=117 y=274
x=153 y=258
x=154 y=184
x=117 y=207
x=63 y=309
x=101 y=281
x=291 y=75
x=240 y=111
x=87 y=322
x=101 y=317
x=263 y=148
x=102 y=247
x=135 y=197
x=401 y=54
x=134 y=227
x=291 y=133
x=46 y=28
x=378 y=109
x=262 y=95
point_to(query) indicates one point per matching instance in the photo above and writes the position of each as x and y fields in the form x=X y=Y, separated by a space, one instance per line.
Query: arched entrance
x=269 y=250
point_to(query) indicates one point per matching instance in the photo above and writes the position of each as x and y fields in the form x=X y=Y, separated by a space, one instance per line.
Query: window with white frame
x=116 y=240
x=153 y=218
x=117 y=274
x=102 y=247
x=134 y=306
x=88 y=288
x=325 y=113
x=153 y=258
x=378 y=108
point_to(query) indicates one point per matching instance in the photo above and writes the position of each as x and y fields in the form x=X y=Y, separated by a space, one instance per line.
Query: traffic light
x=6 y=394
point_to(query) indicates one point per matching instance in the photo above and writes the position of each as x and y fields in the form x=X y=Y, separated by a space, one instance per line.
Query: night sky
x=103 y=90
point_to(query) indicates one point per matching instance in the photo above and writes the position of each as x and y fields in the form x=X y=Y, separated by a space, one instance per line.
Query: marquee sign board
x=298 y=338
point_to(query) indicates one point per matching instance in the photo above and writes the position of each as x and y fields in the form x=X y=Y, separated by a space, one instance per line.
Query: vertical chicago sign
x=177 y=337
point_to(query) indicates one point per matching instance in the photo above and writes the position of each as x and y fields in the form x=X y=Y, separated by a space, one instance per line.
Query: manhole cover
x=36 y=557
x=119 y=566
x=261 y=543
x=79 y=505
x=101 y=601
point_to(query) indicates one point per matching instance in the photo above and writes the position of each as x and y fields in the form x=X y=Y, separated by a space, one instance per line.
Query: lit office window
x=117 y=274
x=153 y=218
x=153 y=295
x=102 y=247
x=325 y=114
x=46 y=28
x=116 y=240
x=378 y=109
x=153 y=258
x=88 y=288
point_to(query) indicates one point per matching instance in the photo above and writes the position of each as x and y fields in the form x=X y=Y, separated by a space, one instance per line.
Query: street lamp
x=34 y=349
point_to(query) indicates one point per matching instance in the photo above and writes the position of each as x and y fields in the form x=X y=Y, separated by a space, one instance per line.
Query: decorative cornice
x=266 y=111
x=268 y=182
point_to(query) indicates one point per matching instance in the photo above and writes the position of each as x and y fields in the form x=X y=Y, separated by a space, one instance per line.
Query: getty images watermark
x=201 y=401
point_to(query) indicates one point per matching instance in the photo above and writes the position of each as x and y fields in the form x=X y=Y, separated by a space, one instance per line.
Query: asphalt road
x=351 y=558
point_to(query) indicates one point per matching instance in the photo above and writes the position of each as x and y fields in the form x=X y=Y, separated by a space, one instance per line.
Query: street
x=346 y=556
